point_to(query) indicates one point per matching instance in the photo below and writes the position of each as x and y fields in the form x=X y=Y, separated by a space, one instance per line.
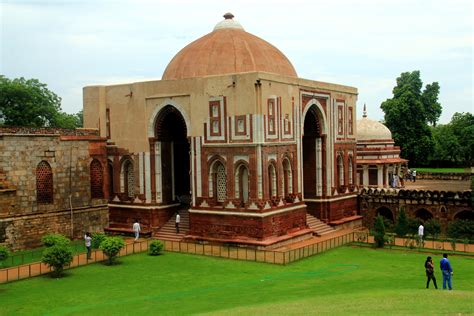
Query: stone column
x=386 y=184
x=365 y=175
x=379 y=176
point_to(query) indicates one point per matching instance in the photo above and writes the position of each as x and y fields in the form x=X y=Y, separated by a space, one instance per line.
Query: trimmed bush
x=155 y=248
x=51 y=240
x=97 y=239
x=401 y=228
x=433 y=228
x=57 y=257
x=379 y=232
x=4 y=253
x=111 y=247
x=461 y=229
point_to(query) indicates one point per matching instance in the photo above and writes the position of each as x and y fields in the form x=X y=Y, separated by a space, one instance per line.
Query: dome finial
x=364 y=113
x=228 y=16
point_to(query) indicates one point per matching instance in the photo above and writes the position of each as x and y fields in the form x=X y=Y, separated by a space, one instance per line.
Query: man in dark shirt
x=447 y=271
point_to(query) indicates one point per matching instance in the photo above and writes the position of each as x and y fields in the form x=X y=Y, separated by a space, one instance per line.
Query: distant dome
x=228 y=49
x=368 y=129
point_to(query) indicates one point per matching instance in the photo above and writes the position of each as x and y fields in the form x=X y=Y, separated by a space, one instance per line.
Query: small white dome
x=368 y=129
x=228 y=23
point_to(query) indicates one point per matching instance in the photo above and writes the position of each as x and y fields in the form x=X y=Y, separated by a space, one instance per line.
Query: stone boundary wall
x=48 y=131
x=443 y=176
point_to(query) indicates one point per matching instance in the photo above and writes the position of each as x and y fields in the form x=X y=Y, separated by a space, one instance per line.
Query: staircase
x=318 y=227
x=168 y=231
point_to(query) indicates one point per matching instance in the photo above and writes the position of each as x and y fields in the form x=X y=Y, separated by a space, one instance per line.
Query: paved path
x=440 y=185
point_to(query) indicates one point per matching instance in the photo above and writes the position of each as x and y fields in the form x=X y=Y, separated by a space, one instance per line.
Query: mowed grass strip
x=342 y=281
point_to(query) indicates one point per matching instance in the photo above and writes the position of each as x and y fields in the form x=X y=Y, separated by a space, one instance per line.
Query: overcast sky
x=365 y=43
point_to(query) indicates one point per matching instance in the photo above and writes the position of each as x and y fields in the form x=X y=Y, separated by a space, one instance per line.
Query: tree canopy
x=408 y=114
x=28 y=102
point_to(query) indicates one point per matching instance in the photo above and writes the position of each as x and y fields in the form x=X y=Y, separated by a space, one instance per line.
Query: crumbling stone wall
x=23 y=219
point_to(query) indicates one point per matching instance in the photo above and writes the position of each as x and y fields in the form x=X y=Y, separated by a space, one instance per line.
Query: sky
x=366 y=44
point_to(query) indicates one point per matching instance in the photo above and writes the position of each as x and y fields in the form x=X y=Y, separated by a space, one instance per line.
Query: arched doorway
x=386 y=213
x=423 y=214
x=242 y=185
x=466 y=215
x=171 y=134
x=312 y=154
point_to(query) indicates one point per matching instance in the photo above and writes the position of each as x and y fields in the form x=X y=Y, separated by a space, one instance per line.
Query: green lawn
x=343 y=281
x=441 y=170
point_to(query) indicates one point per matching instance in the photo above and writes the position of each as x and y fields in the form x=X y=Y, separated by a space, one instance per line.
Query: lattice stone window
x=273 y=180
x=44 y=183
x=340 y=169
x=130 y=179
x=97 y=180
x=351 y=180
x=221 y=183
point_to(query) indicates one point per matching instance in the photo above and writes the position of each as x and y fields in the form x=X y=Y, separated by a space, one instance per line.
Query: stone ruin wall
x=22 y=220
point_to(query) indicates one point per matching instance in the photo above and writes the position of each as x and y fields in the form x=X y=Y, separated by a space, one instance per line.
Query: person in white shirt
x=178 y=219
x=136 y=229
x=88 y=240
x=421 y=231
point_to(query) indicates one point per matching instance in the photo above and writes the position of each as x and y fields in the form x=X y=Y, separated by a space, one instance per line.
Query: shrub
x=4 y=253
x=97 y=239
x=433 y=228
x=413 y=224
x=51 y=240
x=155 y=248
x=57 y=257
x=111 y=247
x=401 y=228
x=461 y=229
x=379 y=232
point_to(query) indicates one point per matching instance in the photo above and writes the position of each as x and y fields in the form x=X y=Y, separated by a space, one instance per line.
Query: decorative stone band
x=144 y=207
x=345 y=197
x=247 y=214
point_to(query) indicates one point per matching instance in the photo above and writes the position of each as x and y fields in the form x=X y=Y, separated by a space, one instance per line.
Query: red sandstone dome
x=228 y=49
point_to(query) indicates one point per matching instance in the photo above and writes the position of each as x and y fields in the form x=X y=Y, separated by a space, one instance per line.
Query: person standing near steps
x=178 y=220
x=136 y=229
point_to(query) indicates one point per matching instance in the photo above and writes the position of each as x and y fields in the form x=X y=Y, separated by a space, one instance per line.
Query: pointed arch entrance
x=171 y=137
x=313 y=147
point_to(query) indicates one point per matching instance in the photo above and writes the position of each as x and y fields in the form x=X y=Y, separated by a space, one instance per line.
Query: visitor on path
x=421 y=231
x=447 y=271
x=414 y=175
x=136 y=229
x=429 y=268
x=88 y=241
x=178 y=220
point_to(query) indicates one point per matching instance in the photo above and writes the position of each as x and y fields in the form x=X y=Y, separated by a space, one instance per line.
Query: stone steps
x=168 y=231
x=317 y=226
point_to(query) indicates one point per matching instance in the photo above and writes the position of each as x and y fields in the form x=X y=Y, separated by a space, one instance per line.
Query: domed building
x=378 y=159
x=233 y=131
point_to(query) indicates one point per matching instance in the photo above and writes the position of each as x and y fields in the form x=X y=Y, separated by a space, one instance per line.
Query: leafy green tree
x=401 y=228
x=379 y=232
x=433 y=228
x=408 y=113
x=461 y=229
x=97 y=239
x=462 y=125
x=57 y=257
x=111 y=247
x=28 y=102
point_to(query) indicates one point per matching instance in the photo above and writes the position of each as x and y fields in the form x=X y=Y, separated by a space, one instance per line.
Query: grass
x=441 y=170
x=34 y=255
x=343 y=281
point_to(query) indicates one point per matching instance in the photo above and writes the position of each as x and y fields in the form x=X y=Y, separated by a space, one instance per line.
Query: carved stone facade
x=253 y=145
x=45 y=184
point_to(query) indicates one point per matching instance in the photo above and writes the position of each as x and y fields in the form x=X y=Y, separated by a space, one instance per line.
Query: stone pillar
x=386 y=184
x=379 y=176
x=365 y=175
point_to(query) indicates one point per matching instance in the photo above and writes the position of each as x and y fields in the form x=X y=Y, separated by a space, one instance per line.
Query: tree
x=28 y=102
x=51 y=240
x=433 y=228
x=462 y=125
x=408 y=113
x=401 y=228
x=111 y=246
x=4 y=253
x=57 y=257
x=379 y=232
